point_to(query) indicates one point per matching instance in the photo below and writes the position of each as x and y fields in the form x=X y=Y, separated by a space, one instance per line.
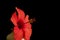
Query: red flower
x=22 y=26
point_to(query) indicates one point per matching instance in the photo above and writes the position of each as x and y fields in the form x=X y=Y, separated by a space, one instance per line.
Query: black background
x=37 y=9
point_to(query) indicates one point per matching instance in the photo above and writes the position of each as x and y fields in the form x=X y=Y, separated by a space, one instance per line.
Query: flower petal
x=26 y=19
x=21 y=14
x=18 y=33
x=14 y=18
x=28 y=31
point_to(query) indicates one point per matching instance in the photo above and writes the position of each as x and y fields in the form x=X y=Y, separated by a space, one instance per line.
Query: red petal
x=14 y=18
x=21 y=14
x=28 y=31
x=27 y=28
x=26 y=19
x=18 y=33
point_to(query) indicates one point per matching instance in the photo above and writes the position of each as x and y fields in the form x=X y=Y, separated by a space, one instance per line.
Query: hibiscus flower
x=22 y=27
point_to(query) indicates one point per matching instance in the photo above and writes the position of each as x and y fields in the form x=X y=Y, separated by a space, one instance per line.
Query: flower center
x=20 y=24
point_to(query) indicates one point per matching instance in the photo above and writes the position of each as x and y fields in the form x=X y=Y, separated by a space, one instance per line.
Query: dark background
x=35 y=9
